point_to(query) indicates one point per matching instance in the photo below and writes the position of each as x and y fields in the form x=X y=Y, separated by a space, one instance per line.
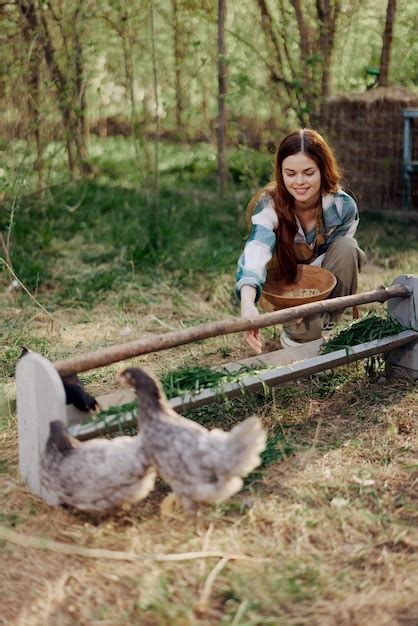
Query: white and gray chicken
x=96 y=475
x=201 y=466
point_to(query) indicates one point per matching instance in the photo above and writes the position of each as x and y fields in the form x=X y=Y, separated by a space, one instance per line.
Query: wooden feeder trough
x=41 y=395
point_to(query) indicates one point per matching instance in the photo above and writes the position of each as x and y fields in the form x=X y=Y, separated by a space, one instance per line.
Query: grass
x=334 y=505
x=369 y=328
x=112 y=238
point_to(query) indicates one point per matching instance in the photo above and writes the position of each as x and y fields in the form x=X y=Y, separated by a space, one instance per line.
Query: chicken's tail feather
x=245 y=443
x=59 y=439
x=25 y=350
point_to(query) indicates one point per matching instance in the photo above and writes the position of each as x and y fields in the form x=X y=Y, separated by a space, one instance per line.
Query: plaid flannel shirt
x=340 y=219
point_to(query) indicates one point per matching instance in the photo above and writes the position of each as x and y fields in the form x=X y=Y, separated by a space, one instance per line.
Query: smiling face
x=302 y=179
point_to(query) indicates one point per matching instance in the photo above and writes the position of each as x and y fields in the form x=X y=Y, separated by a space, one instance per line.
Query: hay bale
x=366 y=131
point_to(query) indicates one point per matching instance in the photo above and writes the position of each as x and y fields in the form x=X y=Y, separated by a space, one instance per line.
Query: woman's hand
x=248 y=309
x=253 y=338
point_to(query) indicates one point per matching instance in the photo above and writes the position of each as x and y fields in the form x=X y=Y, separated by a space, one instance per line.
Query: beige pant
x=345 y=260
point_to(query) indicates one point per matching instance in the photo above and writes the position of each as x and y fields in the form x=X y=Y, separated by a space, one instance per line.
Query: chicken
x=201 y=466
x=96 y=475
x=75 y=392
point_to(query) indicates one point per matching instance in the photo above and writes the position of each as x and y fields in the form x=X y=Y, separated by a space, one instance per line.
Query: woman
x=302 y=217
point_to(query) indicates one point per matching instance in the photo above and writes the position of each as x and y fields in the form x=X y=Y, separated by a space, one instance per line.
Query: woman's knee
x=344 y=245
x=345 y=250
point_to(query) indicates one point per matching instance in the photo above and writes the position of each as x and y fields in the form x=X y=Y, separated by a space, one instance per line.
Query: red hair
x=314 y=146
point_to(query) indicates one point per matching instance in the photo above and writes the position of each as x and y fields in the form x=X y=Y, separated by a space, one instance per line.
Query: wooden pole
x=154 y=343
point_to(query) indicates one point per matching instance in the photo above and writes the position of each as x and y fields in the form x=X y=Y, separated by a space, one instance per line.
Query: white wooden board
x=40 y=397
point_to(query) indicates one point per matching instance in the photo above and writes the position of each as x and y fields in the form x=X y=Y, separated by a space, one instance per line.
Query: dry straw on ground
x=331 y=529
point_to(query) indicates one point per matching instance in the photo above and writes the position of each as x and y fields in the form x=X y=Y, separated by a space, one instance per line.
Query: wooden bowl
x=308 y=277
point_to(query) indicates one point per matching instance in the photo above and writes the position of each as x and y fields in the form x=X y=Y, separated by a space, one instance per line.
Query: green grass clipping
x=369 y=328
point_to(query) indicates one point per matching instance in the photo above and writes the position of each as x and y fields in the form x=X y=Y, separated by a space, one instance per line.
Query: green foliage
x=83 y=238
x=250 y=168
x=12 y=338
x=114 y=233
x=380 y=236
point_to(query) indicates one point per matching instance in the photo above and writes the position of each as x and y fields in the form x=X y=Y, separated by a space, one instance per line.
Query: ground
x=324 y=535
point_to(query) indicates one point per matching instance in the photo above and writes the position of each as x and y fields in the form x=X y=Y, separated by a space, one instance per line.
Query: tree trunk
x=82 y=134
x=305 y=47
x=383 y=80
x=287 y=89
x=327 y=12
x=124 y=34
x=30 y=35
x=139 y=125
x=178 y=62
x=69 y=83
x=222 y=87
x=156 y=237
x=60 y=83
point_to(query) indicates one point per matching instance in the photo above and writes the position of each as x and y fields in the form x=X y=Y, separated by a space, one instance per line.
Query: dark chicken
x=201 y=466
x=96 y=475
x=75 y=392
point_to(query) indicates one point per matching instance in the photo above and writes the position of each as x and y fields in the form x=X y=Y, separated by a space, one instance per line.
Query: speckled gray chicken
x=200 y=466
